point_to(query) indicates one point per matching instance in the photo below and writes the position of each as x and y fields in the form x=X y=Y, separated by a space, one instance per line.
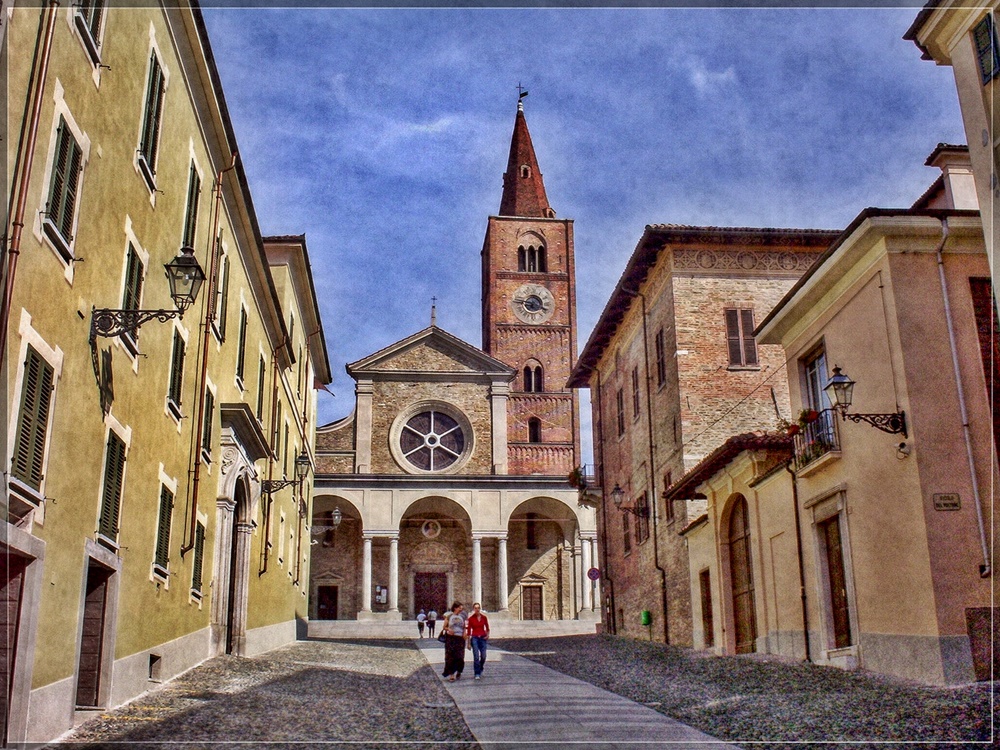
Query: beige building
x=876 y=554
x=963 y=34
x=140 y=536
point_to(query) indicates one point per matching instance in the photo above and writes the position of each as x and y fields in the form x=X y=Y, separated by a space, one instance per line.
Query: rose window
x=432 y=440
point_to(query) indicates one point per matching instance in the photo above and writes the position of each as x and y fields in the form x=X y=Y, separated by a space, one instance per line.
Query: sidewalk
x=520 y=702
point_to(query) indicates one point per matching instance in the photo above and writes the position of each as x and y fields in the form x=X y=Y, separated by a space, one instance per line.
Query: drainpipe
x=985 y=569
x=654 y=505
x=26 y=151
x=798 y=549
x=611 y=622
x=213 y=281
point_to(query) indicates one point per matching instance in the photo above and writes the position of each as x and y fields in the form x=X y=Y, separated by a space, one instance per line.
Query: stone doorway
x=326 y=602
x=430 y=591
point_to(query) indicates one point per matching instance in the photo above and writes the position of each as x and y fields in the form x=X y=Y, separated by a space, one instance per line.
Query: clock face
x=533 y=303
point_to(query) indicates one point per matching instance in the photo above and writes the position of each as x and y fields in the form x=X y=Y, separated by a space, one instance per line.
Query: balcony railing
x=815 y=439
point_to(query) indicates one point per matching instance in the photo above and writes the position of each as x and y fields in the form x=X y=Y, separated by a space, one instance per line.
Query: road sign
x=594 y=574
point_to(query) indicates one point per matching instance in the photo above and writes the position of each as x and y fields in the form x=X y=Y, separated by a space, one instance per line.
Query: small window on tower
x=525 y=171
x=522 y=259
x=534 y=430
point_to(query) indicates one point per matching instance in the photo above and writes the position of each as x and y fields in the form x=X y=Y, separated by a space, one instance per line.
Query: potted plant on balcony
x=807 y=416
x=577 y=479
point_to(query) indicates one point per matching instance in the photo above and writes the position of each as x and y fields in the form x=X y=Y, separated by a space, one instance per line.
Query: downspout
x=798 y=549
x=611 y=622
x=213 y=240
x=654 y=504
x=985 y=570
x=26 y=151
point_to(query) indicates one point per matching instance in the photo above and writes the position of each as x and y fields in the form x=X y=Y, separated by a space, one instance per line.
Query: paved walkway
x=519 y=702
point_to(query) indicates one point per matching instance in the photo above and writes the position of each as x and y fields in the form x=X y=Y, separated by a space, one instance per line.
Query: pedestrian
x=477 y=631
x=421 y=618
x=454 y=643
x=432 y=617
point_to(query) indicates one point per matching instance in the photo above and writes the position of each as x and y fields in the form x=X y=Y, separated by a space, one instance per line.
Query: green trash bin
x=647 y=617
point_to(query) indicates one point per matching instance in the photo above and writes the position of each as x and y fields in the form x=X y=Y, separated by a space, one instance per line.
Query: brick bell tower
x=529 y=314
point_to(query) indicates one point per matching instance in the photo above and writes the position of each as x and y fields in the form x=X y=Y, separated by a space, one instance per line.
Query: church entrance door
x=430 y=591
x=532 y=602
x=326 y=608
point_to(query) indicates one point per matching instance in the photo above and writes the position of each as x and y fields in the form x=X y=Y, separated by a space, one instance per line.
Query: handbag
x=441 y=636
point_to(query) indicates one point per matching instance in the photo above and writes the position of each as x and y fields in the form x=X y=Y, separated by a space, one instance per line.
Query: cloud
x=706 y=81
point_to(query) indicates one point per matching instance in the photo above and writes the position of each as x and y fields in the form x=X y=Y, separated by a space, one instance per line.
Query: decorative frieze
x=713 y=260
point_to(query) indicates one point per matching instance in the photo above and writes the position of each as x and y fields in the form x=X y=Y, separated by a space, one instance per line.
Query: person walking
x=432 y=617
x=454 y=643
x=477 y=630
x=421 y=619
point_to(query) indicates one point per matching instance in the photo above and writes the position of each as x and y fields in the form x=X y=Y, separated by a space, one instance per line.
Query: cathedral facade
x=449 y=478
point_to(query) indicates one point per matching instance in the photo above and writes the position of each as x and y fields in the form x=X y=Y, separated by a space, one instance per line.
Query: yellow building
x=140 y=536
x=874 y=549
x=963 y=34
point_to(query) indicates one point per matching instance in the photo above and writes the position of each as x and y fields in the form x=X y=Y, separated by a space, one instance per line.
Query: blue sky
x=382 y=134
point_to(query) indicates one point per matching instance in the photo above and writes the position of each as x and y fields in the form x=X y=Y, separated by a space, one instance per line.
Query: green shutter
x=176 y=369
x=72 y=184
x=65 y=181
x=151 y=118
x=223 y=298
x=206 y=430
x=749 y=344
x=59 y=166
x=32 y=427
x=163 y=527
x=199 y=552
x=133 y=280
x=114 y=475
x=260 y=391
x=242 y=353
x=191 y=216
x=92 y=11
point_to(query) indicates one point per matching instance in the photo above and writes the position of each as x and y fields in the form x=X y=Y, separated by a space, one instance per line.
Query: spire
x=523 y=190
x=434 y=317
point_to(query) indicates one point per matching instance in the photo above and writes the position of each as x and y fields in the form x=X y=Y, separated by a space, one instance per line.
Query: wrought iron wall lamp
x=618 y=495
x=840 y=390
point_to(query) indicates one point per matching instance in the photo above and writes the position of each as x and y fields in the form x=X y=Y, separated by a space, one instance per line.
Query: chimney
x=956 y=182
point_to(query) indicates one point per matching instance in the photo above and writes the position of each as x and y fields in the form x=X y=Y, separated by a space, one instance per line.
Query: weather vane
x=521 y=91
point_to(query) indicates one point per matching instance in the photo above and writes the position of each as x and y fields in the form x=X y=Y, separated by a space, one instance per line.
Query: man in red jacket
x=477 y=630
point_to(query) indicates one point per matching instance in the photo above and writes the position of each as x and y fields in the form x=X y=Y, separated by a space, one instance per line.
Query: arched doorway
x=741 y=576
x=544 y=561
x=435 y=537
x=232 y=565
x=335 y=590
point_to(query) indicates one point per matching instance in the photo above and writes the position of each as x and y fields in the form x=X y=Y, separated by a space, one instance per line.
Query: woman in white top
x=454 y=643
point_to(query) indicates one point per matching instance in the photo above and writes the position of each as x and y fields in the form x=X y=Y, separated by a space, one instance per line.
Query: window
x=199 y=555
x=707 y=623
x=432 y=440
x=635 y=393
x=260 y=389
x=534 y=430
x=529 y=531
x=149 y=138
x=620 y=399
x=661 y=359
x=627 y=533
x=206 y=427
x=291 y=326
x=276 y=434
x=986 y=49
x=533 y=379
x=531 y=259
x=241 y=354
x=642 y=519
x=818 y=437
x=669 y=506
x=298 y=375
x=33 y=420
x=89 y=20
x=522 y=259
x=739 y=336
x=132 y=294
x=162 y=554
x=111 y=496
x=191 y=210
x=222 y=298
x=175 y=388
x=60 y=211
x=284 y=455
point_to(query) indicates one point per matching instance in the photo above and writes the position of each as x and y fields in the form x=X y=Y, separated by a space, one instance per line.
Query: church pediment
x=431 y=351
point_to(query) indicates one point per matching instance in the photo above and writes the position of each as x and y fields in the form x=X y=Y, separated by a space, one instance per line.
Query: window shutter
x=260 y=391
x=242 y=354
x=986 y=52
x=59 y=173
x=206 y=433
x=32 y=428
x=163 y=527
x=749 y=345
x=72 y=185
x=133 y=280
x=154 y=107
x=94 y=14
x=199 y=551
x=114 y=475
x=223 y=296
x=177 y=369
x=191 y=216
x=733 y=337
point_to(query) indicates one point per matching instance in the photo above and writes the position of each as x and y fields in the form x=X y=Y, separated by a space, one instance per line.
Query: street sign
x=594 y=574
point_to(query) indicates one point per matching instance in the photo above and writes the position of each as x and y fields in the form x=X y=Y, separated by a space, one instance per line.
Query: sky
x=382 y=135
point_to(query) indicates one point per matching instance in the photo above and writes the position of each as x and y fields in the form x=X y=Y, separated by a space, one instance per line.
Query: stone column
x=366 y=575
x=498 y=411
x=394 y=574
x=477 y=570
x=363 y=430
x=502 y=572
x=597 y=584
x=585 y=565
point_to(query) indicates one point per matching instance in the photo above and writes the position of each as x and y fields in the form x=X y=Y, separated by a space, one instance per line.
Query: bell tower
x=529 y=314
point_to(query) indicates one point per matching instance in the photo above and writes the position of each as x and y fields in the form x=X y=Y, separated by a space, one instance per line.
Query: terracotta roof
x=941 y=147
x=523 y=194
x=644 y=257
x=717 y=459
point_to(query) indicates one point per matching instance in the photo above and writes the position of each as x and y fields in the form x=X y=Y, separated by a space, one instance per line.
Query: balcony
x=817 y=442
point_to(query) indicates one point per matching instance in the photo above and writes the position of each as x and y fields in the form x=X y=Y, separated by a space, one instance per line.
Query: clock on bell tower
x=529 y=315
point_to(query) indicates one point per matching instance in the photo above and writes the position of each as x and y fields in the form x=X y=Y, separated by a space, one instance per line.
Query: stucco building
x=137 y=539
x=450 y=475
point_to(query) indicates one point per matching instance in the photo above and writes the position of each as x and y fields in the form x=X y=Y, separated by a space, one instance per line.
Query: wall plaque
x=947 y=501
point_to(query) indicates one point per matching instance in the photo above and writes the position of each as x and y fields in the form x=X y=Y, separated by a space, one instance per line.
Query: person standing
x=454 y=643
x=421 y=619
x=477 y=630
x=432 y=617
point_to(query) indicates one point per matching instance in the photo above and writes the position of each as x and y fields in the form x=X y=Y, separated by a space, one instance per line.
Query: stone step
x=343 y=629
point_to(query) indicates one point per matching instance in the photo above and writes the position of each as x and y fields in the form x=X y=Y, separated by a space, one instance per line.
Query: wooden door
x=11 y=592
x=430 y=591
x=326 y=605
x=830 y=531
x=741 y=577
x=88 y=682
x=532 y=602
x=707 y=623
